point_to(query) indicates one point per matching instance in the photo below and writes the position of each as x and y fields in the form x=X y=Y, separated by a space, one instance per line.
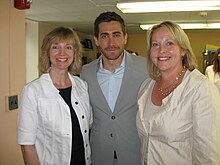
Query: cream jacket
x=44 y=119
x=186 y=129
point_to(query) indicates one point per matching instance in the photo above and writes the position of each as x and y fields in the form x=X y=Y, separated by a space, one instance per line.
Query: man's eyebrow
x=104 y=33
x=116 y=32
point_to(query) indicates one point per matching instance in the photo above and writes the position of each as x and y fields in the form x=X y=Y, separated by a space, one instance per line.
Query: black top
x=78 y=155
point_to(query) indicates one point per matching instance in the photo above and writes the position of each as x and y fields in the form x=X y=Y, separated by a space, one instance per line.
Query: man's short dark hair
x=107 y=17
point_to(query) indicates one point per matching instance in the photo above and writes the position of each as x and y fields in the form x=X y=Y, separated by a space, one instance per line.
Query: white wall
x=32 y=49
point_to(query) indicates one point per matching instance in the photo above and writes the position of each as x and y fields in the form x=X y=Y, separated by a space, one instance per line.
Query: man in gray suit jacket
x=114 y=80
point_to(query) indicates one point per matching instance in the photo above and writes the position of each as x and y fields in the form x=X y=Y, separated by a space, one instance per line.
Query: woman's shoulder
x=79 y=81
x=37 y=81
x=210 y=67
x=197 y=77
x=197 y=80
x=145 y=84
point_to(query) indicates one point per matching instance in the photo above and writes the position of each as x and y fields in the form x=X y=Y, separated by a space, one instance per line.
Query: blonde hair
x=189 y=60
x=61 y=34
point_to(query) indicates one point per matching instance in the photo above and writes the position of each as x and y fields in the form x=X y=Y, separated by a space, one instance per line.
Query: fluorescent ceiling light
x=168 y=6
x=189 y=26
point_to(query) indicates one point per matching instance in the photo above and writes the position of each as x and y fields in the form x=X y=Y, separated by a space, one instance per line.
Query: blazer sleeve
x=206 y=125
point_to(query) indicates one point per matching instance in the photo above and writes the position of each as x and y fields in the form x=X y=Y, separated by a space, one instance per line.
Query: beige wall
x=137 y=43
x=31 y=52
x=12 y=71
x=198 y=39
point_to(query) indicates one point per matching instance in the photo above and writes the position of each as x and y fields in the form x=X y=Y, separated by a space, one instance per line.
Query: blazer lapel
x=126 y=84
x=96 y=93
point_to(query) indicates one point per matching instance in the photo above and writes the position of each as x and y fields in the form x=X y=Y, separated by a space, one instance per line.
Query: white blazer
x=44 y=119
x=214 y=77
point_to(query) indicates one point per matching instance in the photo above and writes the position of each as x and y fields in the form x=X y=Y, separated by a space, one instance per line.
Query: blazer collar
x=48 y=86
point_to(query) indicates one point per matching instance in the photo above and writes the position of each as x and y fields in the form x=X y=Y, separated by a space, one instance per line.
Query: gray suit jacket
x=116 y=131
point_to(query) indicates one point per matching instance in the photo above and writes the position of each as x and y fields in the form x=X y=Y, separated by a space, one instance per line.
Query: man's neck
x=112 y=65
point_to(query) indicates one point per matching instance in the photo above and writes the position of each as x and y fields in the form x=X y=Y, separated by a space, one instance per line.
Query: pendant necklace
x=173 y=85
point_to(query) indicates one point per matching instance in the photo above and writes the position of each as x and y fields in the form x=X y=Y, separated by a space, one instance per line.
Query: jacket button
x=83 y=116
x=111 y=134
x=85 y=131
x=76 y=102
x=113 y=117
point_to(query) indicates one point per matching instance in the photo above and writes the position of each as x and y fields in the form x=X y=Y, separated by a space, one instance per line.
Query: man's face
x=111 y=40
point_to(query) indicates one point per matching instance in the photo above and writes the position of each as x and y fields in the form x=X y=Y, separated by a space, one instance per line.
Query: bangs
x=61 y=38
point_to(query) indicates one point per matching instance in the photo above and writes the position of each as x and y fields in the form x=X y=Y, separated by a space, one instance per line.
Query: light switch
x=13 y=102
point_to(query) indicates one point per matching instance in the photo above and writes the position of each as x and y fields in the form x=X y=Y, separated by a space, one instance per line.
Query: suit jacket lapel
x=126 y=83
x=97 y=94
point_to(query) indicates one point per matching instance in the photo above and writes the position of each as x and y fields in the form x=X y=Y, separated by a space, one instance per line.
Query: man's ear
x=126 y=38
x=96 y=41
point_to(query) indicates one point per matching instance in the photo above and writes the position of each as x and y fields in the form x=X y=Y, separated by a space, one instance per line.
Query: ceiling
x=80 y=14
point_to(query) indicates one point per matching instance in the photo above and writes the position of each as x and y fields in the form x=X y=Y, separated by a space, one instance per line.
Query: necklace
x=172 y=86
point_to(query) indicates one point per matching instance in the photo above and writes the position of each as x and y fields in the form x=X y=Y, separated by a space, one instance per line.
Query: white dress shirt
x=110 y=83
